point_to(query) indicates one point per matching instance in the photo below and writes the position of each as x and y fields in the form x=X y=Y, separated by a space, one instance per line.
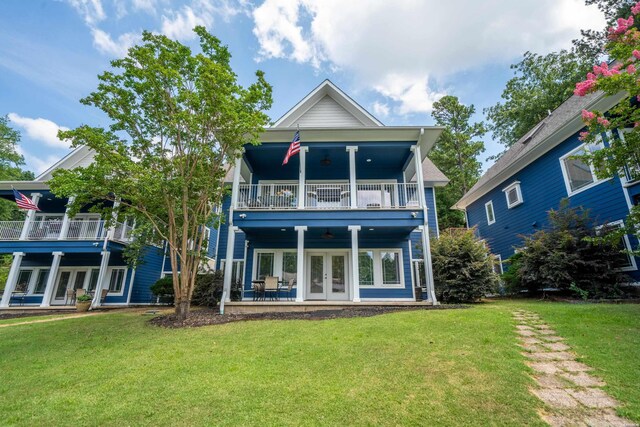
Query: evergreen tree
x=456 y=155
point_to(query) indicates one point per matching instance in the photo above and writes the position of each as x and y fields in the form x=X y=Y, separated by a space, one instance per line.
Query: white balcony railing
x=329 y=196
x=51 y=230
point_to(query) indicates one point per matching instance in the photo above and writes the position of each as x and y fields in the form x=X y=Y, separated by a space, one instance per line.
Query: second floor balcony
x=327 y=195
x=88 y=230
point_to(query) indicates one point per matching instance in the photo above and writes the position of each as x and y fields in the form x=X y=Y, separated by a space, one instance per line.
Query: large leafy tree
x=542 y=82
x=11 y=163
x=456 y=155
x=621 y=123
x=178 y=119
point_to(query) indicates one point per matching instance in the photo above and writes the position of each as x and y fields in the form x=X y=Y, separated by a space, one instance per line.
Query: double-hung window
x=578 y=174
x=116 y=282
x=491 y=216
x=513 y=193
x=625 y=261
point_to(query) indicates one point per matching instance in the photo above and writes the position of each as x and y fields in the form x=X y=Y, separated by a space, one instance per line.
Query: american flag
x=294 y=148
x=23 y=201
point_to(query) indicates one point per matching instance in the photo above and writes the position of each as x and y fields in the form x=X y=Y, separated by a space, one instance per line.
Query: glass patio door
x=62 y=284
x=327 y=277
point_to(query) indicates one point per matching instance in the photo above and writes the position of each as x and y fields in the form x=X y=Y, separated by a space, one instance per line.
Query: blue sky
x=394 y=57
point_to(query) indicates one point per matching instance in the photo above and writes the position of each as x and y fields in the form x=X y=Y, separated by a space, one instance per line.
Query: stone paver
x=572 y=396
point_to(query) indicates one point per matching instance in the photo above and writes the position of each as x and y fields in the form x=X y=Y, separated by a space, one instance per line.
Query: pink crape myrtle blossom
x=583 y=135
x=604 y=122
x=622 y=26
x=636 y=8
x=587 y=116
x=636 y=53
x=631 y=69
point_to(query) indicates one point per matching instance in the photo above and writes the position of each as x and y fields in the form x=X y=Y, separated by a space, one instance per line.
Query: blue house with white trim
x=513 y=197
x=345 y=220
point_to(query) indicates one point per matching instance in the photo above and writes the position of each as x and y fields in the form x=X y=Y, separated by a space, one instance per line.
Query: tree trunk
x=182 y=309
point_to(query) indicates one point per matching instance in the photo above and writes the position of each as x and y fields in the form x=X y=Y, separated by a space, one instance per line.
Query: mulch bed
x=207 y=317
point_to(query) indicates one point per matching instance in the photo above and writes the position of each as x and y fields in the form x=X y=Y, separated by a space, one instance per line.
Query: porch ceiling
x=316 y=233
x=329 y=161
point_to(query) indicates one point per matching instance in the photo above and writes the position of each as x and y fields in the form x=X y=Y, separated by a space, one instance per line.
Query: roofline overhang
x=602 y=103
x=24 y=185
x=424 y=135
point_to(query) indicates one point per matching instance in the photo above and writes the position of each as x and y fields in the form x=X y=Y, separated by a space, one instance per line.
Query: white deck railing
x=51 y=230
x=328 y=196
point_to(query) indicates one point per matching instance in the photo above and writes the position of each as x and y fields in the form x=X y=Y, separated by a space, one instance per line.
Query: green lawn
x=449 y=367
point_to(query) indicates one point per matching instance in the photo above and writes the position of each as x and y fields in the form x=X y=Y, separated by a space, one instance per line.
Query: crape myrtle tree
x=621 y=123
x=178 y=118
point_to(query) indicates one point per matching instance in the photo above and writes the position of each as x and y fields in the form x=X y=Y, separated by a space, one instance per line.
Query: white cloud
x=105 y=44
x=399 y=47
x=148 y=6
x=41 y=130
x=91 y=10
x=37 y=164
x=179 y=24
x=380 y=109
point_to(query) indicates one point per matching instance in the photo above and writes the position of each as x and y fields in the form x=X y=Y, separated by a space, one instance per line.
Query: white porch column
x=64 y=230
x=302 y=194
x=35 y=197
x=236 y=182
x=12 y=279
x=353 y=190
x=228 y=265
x=426 y=240
x=102 y=275
x=355 y=269
x=51 y=280
x=300 y=267
x=114 y=217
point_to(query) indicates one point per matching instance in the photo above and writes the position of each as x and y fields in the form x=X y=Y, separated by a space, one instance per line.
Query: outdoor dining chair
x=70 y=297
x=289 y=289
x=271 y=286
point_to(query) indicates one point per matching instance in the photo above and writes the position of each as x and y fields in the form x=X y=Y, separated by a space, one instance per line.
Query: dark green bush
x=208 y=289
x=462 y=267
x=566 y=257
x=163 y=289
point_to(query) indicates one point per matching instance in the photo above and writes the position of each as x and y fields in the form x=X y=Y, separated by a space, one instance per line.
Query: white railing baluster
x=328 y=195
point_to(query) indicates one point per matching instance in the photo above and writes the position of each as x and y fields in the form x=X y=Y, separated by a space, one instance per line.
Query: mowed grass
x=445 y=367
x=449 y=367
x=607 y=338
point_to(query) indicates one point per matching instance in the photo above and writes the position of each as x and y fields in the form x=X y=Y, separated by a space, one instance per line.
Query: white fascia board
x=569 y=128
x=350 y=134
x=24 y=185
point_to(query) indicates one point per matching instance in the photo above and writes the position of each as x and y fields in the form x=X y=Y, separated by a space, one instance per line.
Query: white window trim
x=627 y=244
x=498 y=259
x=377 y=268
x=565 y=174
x=110 y=271
x=493 y=211
x=514 y=185
x=278 y=255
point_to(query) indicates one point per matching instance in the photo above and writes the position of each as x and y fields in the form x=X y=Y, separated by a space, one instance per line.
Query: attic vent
x=529 y=136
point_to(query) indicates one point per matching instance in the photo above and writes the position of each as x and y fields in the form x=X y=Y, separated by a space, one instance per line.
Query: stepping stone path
x=573 y=397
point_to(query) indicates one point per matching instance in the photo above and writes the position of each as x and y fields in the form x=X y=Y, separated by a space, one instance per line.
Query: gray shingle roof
x=567 y=111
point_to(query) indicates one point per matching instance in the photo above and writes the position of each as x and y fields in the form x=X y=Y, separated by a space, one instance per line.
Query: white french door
x=327 y=276
x=73 y=279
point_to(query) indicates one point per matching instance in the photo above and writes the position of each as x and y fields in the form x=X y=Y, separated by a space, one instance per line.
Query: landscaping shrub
x=566 y=257
x=163 y=289
x=462 y=267
x=208 y=289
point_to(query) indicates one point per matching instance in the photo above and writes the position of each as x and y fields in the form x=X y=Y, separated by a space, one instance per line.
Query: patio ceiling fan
x=327 y=235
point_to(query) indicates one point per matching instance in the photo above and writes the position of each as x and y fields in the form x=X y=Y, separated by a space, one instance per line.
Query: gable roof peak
x=327 y=106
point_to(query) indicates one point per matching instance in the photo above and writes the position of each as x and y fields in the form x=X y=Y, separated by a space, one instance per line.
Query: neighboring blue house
x=345 y=218
x=513 y=197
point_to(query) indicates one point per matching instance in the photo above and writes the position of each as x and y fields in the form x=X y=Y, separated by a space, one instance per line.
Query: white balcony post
x=24 y=235
x=300 y=289
x=12 y=279
x=355 y=268
x=353 y=189
x=302 y=177
x=228 y=265
x=102 y=276
x=235 y=189
x=51 y=280
x=417 y=157
x=64 y=229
